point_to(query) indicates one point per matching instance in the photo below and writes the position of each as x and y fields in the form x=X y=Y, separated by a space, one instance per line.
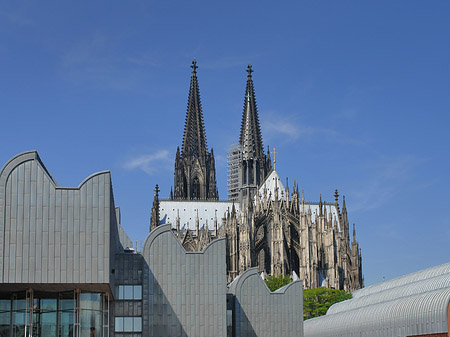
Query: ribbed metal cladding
x=407 y=316
x=413 y=305
x=53 y=234
x=260 y=312
x=400 y=281
x=186 y=291
x=438 y=282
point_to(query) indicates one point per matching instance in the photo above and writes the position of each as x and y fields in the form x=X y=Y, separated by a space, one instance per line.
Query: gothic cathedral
x=265 y=225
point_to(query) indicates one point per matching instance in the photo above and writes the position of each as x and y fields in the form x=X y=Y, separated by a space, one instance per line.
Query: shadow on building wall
x=186 y=291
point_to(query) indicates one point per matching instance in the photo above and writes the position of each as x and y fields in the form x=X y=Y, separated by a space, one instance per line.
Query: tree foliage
x=317 y=301
x=276 y=282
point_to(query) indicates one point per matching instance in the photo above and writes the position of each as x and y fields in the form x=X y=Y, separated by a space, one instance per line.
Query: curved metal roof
x=400 y=281
x=418 y=287
x=424 y=313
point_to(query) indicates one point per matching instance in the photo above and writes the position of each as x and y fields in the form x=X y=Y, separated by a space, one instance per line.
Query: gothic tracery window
x=196 y=188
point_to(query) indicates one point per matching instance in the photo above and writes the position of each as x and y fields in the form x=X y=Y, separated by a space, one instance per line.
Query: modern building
x=413 y=305
x=67 y=269
x=266 y=224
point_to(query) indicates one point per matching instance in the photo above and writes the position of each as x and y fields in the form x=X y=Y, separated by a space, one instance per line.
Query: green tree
x=276 y=282
x=317 y=301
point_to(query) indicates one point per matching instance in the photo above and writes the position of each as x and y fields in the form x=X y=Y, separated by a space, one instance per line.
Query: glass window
x=128 y=324
x=128 y=292
x=229 y=323
x=5 y=305
x=19 y=304
x=137 y=324
x=137 y=292
x=46 y=324
x=66 y=301
x=66 y=321
x=18 y=323
x=47 y=304
x=92 y=301
x=5 y=320
x=119 y=324
x=52 y=314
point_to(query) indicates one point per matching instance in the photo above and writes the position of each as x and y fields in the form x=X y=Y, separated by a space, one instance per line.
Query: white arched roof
x=400 y=281
x=415 y=304
x=419 y=314
x=438 y=282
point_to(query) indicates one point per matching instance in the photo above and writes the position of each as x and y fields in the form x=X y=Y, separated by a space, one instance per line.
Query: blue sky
x=354 y=95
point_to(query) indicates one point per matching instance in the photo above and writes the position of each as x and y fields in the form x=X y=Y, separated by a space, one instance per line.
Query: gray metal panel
x=53 y=234
x=124 y=239
x=186 y=291
x=260 y=312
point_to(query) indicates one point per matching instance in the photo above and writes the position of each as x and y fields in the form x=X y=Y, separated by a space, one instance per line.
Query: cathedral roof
x=187 y=211
x=194 y=139
x=272 y=180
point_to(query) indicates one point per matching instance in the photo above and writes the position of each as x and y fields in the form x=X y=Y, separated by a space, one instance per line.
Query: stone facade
x=266 y=225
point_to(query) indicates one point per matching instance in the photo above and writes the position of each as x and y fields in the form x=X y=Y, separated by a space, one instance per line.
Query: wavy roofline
x=239 y=281
x=25 y=156
x=161 y=229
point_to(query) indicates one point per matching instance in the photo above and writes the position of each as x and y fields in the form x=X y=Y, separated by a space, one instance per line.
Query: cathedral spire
x=320 y=205
x=154 y=218
x=253 y=167
x=250 y=138
x=195 y=172
x=194 y=139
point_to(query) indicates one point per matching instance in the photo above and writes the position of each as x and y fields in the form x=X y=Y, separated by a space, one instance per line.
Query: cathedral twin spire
x=250 y=138
x=195 y=172
x=254 y=165
x=195 y=176
x=194 y=139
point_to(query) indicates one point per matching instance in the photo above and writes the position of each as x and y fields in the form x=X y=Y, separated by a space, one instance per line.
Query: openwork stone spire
x=195 y=172
x=194 y=139
x=254 y=165
x=250 y=138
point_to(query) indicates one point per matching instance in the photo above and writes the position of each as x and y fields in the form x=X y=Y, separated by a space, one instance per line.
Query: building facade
x=67 y=269
x=266 y=224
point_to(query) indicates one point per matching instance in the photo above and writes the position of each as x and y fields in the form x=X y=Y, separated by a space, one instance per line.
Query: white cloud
x=289 y=129
x=285 y=127
x=388 y=176
x=149 y=163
